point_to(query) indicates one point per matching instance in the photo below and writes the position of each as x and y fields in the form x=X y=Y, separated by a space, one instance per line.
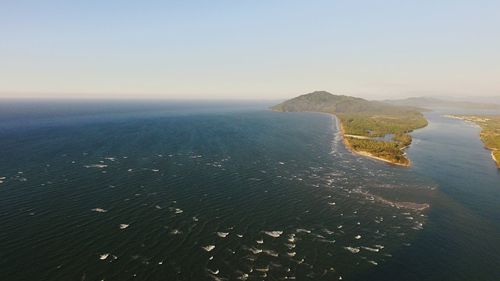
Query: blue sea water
x=231 y=191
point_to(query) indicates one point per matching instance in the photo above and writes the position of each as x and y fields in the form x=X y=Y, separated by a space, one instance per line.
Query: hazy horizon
x=236 y=99
x=249 y=50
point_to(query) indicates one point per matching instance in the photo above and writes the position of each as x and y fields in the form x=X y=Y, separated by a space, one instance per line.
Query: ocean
x=232 y=191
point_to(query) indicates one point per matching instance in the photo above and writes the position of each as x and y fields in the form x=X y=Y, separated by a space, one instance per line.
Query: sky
x=248 y=49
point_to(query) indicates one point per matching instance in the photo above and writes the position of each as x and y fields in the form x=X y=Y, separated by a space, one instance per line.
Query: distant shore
x=486 y=123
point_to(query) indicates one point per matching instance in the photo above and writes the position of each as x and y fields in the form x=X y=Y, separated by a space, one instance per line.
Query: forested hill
x=364 y=122
x=322 y=101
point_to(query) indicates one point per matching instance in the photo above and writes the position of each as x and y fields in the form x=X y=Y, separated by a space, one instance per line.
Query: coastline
x=365 y=153
x=351 y=149
x=371 y=129
x=477 y=122
x=497 y=161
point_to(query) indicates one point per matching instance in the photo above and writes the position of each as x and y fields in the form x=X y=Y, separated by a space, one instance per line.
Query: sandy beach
x=494 y=158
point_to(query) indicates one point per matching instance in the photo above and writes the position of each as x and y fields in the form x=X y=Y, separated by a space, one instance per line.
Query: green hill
x=364 y=122
x=322 y=101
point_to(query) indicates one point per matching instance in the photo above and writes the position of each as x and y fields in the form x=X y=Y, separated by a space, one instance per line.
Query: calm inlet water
x=234 y=192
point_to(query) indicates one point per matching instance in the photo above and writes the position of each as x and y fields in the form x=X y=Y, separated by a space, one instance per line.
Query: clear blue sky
x=248 y=49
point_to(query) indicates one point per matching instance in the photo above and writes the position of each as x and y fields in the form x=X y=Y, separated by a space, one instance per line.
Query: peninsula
x=490 y=132
x=369 y=128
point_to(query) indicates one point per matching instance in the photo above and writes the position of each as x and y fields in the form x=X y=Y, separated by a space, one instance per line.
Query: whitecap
x=292 y=254
x=303 y=230
x=123 y=226
x=274 y=234
x=373 y=262
x=239 y=235
x=326 y=241
x=243 y=277
x=376 y=250
x=178 y=211
x=209 y=248
x=271 y=253
x=99 y=210
x=261 y=241
x=223 y=234
x=175 y=232
x=255 y=251
x=216 y=278
x=99 y=166
x=327 y=231
x=352 y=249
x=357 y=237
x=418 y=226
x=104 y=256
x=213 y=272
x=265 y=269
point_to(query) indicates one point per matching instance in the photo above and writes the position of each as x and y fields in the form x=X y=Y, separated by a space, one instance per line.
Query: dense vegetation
x=365 y=118
x=403 y=139
x=490 y=132
x=391 y=151
x=373 y=124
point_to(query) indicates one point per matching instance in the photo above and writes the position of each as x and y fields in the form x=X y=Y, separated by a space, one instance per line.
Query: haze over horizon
x=249 y=50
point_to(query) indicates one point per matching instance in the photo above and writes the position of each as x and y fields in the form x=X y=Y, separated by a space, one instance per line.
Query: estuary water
x=232 y=191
